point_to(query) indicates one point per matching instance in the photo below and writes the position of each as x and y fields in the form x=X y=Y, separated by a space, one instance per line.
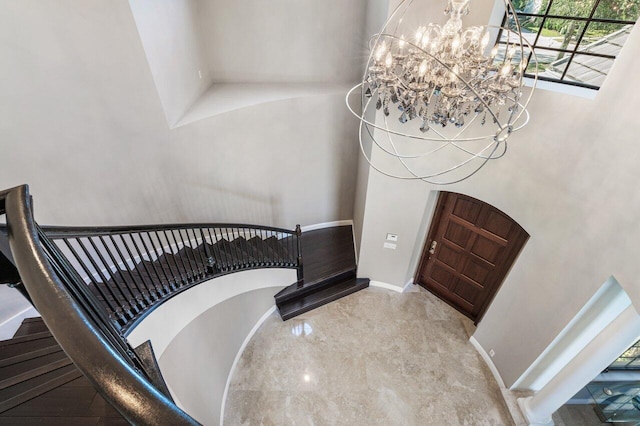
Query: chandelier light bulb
x=422 y=70
x=388 y=61
x=380 y=51
x=456 y=101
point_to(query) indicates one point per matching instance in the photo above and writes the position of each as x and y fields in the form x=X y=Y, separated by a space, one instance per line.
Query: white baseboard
x=487 y=360
x=407 y=286
x=323 y=225
x=247 y=339
x=386 y=285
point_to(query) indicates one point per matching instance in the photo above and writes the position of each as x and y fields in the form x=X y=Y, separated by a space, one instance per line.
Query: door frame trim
x=435 y=218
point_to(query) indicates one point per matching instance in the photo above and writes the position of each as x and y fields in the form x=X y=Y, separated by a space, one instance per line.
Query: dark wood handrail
x=127 y=389
x=77 y=231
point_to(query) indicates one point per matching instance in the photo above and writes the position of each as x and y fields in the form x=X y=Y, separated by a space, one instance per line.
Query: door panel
x=476 y=245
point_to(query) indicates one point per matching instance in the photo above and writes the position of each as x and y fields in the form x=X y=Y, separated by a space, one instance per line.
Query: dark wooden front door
x=469 y=249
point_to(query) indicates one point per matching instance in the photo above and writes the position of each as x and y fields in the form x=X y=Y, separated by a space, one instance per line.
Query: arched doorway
x=469 y=249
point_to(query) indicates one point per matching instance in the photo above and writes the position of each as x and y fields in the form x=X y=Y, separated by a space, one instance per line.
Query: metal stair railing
x=93 y=285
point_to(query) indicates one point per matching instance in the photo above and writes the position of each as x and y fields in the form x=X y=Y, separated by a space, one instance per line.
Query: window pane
x=605 y=39
x=578 y=8
x=560 y=33
x=516 y=53
x=626 y=10
x=551 y=64
x=588 y=69
x=530 y=6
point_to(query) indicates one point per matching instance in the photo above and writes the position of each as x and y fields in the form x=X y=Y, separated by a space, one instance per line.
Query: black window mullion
x=584 y=30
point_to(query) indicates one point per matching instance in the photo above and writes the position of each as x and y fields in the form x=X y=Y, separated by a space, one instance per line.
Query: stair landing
x=329 y=272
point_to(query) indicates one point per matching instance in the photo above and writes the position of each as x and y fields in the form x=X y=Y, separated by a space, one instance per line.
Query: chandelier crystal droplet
x=439 y=101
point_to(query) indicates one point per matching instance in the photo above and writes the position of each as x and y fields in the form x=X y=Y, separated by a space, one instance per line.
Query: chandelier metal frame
x=382 y=86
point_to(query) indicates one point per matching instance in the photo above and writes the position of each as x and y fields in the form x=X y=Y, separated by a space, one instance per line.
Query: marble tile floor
x=373 y=358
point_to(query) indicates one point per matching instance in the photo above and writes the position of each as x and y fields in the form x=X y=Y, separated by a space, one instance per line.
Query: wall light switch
x=390 y=246
x=392 y=237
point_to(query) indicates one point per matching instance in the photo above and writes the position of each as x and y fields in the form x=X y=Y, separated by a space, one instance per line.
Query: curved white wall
x=164 y=323
x=197 y=334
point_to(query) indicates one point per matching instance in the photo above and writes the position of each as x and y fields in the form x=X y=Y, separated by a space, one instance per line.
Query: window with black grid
x=575 y=41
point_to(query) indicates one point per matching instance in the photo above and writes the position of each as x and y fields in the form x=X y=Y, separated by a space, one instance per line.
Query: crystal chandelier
x=439 y=101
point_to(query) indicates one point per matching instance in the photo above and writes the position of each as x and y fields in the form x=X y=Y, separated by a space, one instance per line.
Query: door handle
x=432 y=250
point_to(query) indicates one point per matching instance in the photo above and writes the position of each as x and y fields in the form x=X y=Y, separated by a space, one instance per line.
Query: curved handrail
x=132 y=270
x=62 y=231
x=116 y=379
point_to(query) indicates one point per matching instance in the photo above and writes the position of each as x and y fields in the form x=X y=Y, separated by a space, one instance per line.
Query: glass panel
x=577 y=8
x=616 y=401
x=551 y=64
x=560 y=33
x=516 y=53
x=605 y=39
x=588 y=69
x=530 y=6
x=625 y=10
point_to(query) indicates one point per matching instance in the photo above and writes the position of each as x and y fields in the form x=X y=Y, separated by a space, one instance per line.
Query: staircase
x=130 y=271
x=40 y=385
x=329 y=272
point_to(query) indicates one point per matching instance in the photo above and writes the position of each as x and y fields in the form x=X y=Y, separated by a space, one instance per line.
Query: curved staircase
x=40 y=385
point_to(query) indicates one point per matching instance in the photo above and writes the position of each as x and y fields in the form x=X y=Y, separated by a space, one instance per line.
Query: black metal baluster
x=182 y=279
x=242 y=248
x=228 y=249
x=110 y=305
x=132 y=300
x=198 y=254
x=178 y=255
x=151 y=287
x=210 y=260
x=300 y=268
x=146 y=295
x=141 y=303
x=233 y=256
x=78 y=287
x=159 y=253
x=106 y=282
x=278 y=247
x=252 y=258
x=191 y=256
x=264 y=247
x=117 y=310
x=160 y=288
x=215 y=249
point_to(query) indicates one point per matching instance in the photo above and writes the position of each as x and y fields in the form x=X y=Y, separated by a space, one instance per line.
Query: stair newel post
x=300 y=269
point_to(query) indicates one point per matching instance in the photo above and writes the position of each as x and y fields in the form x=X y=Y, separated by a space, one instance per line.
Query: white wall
x=170 y=33
x=82 y=123
x=569 y=179
x=197 y=362
x=283 y=40
x=13 y=309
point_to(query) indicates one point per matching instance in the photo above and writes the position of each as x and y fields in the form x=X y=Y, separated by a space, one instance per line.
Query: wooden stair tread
x=316 y=299
x=24 y=391
x=32 y=368
x=294 y=290
x=31 y=326
x=29 y=355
